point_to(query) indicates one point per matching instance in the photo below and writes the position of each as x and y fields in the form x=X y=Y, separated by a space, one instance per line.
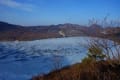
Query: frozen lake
x=20 y=60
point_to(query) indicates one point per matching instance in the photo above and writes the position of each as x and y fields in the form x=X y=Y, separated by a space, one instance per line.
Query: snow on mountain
x=20 y=60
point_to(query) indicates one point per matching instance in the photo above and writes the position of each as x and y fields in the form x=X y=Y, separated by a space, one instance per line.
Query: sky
x=49 y=12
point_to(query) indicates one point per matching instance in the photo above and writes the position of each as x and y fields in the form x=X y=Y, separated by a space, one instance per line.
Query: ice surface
x=20 y=60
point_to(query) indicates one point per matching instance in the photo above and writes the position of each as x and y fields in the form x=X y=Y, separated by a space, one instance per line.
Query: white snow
x=20 y=60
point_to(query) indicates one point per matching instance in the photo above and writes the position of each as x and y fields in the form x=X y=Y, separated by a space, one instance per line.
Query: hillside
x=102 y=70
x=10 y=32
x=16 y=32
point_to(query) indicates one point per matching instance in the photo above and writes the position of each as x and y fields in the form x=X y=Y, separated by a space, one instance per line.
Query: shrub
x=96 y=53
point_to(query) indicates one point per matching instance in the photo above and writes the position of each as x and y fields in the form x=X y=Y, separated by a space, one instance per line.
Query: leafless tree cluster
x=105 y=22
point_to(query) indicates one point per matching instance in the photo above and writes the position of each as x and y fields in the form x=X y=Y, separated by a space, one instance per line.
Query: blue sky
x=47 y=12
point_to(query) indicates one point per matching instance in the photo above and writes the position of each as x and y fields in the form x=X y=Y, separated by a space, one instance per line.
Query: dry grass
x=102 y=70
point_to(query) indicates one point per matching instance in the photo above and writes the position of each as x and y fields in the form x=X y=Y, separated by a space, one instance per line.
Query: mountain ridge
x=10 y=32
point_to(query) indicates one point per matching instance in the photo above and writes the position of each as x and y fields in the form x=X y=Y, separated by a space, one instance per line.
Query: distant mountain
x=6 y=26
x=17 y=32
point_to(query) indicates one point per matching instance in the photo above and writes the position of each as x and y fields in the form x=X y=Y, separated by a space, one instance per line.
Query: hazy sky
x=47 y=12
